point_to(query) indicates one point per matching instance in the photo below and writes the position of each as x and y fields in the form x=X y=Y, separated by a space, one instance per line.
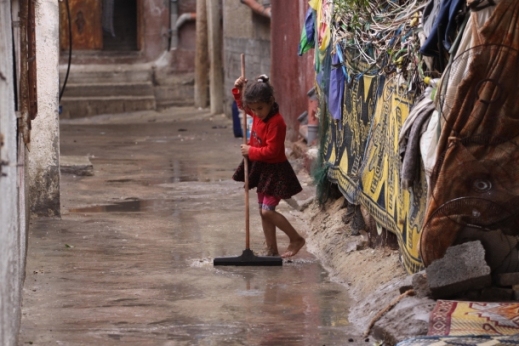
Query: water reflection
x=290 y=305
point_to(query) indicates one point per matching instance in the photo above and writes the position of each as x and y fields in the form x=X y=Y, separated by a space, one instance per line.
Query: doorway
x=120 y=25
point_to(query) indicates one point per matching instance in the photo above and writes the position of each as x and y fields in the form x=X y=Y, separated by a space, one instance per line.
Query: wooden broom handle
x=245 y=164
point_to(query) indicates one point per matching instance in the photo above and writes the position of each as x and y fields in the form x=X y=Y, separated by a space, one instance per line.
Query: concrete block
x=77 y=165
x=420 y=285
x=462 y=268
x=410 y=317
x=507 y=279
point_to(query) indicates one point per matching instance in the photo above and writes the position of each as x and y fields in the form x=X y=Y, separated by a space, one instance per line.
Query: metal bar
x=31 y=37
x=25 y=122
x=245 y=166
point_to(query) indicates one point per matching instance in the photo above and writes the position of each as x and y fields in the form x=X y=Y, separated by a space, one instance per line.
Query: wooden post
x=214 y=21
x=201 y=58
x=245 y=166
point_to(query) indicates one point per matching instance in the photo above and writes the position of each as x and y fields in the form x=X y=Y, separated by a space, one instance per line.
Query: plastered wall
x=10 y=217
x=44 y=174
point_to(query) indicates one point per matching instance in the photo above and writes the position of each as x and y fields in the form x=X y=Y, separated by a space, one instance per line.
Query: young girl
x=269 y=170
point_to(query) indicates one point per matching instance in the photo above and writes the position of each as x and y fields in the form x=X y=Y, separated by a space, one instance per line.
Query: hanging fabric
x=108 y=17
x=307 y=40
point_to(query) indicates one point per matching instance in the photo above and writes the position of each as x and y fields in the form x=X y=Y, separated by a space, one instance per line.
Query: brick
x=462 y=268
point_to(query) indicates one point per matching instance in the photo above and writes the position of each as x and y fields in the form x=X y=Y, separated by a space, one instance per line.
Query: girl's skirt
x=273 y=179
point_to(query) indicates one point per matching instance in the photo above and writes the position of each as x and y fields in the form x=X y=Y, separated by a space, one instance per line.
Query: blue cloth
x=236 y=125
x=307 y=41
x=343 y=63
x=443 y=27
x=336 y=91
x=323 y=74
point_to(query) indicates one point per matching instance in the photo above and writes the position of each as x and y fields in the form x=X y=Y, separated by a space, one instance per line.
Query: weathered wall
x=292 y=76
x=183 y=58
x=44 y=174
x=248 y=33
x=10 y=231
x=155 y=25
x=153 y=39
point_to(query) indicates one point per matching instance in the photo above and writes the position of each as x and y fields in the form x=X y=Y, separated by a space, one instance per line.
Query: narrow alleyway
x=129 y=262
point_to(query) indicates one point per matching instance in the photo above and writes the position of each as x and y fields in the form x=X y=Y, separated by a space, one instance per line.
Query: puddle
x=119 y=181
x=182 y=179
x=127 y=206
x=130 y=206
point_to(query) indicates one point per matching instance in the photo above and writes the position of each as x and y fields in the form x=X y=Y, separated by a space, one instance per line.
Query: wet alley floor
x=130 y=261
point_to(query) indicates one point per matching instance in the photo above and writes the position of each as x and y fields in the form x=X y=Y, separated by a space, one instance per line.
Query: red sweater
x=267 y=138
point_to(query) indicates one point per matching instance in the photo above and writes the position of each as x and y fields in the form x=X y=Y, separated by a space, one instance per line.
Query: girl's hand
x=238 y=84
x=245 y=149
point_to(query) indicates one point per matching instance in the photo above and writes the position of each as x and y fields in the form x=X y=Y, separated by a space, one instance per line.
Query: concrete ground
x=130 y=261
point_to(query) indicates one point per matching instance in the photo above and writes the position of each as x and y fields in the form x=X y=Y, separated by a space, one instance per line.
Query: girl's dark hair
x=258 y=91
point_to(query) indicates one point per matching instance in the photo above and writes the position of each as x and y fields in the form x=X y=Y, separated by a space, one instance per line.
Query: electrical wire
x=69 y=50
x=383 y=34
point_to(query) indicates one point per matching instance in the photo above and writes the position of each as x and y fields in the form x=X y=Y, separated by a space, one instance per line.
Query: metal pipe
x=184 y=17
x=173 y=13
x=258 y=8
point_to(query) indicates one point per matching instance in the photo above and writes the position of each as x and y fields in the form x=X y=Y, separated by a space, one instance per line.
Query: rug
x=474 y=318
x=461 y=341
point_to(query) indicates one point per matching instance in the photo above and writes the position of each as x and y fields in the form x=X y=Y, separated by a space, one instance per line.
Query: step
x=98 y=74
x=174 y=95
x=78 y=107
x=112 y=89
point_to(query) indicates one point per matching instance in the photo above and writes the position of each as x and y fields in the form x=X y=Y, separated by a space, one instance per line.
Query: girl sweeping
x=269 y=170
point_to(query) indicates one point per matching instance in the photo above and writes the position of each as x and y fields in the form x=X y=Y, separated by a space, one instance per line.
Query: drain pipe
x=173 y=31
x=176 y=23
x=184 y=17
x=258 y=8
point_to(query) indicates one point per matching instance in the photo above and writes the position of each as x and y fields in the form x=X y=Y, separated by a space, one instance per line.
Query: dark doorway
x=123 y=37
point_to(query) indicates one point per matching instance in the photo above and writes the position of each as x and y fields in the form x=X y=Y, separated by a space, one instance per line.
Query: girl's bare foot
x=270 y=252
x=294 y=247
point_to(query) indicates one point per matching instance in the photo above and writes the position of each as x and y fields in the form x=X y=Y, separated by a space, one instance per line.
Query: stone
x=420 y=285
x=462 y=268
x=77 y=165
x=410 y=317
x=507 y=279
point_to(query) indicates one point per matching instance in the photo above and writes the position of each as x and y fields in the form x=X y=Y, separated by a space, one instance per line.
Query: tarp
x=476 y=177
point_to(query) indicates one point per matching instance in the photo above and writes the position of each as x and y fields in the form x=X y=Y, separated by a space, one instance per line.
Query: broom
x=247 y=258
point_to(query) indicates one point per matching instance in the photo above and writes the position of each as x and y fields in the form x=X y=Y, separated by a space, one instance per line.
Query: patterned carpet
x=453 y=318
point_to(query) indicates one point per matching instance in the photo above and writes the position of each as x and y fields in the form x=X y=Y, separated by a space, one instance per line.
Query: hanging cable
x=69 y=49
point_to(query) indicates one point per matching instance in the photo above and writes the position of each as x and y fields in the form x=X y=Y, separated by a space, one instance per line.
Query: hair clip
x=263 y=78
